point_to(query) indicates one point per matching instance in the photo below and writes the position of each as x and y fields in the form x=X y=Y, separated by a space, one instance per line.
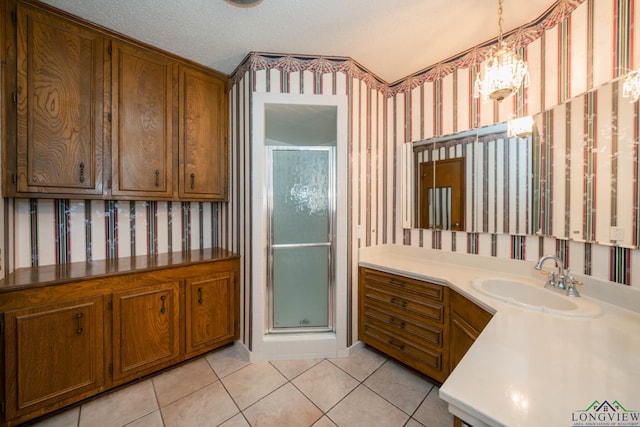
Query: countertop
x=529 y=368
x=49 y=275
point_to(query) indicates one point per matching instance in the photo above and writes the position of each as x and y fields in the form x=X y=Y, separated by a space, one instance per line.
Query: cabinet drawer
x=404 y=350
x=408 y=328
x=474 y=315
x=412 y=304
x=398 y=284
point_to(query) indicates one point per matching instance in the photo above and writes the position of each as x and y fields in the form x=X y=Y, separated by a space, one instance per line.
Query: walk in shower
x=299 y=250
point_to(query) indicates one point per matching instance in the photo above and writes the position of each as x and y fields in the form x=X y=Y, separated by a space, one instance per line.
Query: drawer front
x=474 y=315
x=423 y=334
x=425 y=359
x=411 y=304
x=397 y=284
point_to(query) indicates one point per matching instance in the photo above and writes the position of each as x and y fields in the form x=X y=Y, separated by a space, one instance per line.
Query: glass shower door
x=301 y=238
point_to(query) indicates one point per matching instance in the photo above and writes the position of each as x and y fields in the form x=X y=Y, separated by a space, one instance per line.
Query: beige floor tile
x=324 y=422
x=361 y=363
x=284 y=407
x=183 y=380
x=64 y=419
x=434 y=412
x=227 y=360
x=208 y=406
x=154 y=419
x=293 y=368
x=237 y=421
x=325 y=384
x=253 y=382
x=364 y=408
x=120 y=407
x=413 y=423
x=399 y=386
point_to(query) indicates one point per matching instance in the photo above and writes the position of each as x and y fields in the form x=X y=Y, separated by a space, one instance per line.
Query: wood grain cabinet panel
x=203 y=141
x=145 y=328
x=53 y=353
x=60 y=88
x=406 y=319
x=467 y=321
x=142 y=122
x=210 y=314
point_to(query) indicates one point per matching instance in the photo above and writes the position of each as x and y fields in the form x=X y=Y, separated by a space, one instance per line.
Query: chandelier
x=631 y=86
x=503 y=73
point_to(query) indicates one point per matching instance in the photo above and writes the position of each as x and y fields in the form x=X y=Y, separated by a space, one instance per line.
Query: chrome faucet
x=561 y=280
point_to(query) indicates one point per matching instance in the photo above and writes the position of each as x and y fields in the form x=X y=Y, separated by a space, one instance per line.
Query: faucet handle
x=571 y=287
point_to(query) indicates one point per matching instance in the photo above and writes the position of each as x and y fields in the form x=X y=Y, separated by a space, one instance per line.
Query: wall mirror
x=589 y=168
x=481 y=180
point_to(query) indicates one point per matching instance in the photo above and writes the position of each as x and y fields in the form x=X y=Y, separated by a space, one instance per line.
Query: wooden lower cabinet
x=67 y=341
x=53 y=352
x=210 y=306
x=145 y=329
x=467 y=321
x=423 y=325
x=406 y=319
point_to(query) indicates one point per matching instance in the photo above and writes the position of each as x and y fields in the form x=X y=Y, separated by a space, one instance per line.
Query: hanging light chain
x=499 y=22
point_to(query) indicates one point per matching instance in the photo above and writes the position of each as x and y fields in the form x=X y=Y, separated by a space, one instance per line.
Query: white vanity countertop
x=530 y=368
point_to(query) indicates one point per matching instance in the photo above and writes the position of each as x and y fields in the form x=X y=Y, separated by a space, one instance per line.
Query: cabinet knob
x=81 y=176
x=199 y=295
x=157 y=177
x=193 y=181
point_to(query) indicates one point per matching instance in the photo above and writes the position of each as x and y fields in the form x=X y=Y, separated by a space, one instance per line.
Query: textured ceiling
x=392 y=38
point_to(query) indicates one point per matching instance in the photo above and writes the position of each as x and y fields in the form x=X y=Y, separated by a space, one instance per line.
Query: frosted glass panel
x=300 y=196
x=300 y=287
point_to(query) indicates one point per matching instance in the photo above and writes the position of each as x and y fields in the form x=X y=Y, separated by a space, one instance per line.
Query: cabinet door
x=203 y=127
x=142 y=139
x=145 y=328
x=53 y=353
x=60 y=106
x=210 y=314
x=467 y=322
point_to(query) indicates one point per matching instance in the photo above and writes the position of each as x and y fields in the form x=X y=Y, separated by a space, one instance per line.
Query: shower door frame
x=332 y=213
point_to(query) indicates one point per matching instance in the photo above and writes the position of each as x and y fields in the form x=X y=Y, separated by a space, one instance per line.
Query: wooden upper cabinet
x=142 y=138
x=60 y=89
x=203 y=140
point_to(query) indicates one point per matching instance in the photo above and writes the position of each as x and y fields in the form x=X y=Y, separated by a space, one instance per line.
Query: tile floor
x=224 y=389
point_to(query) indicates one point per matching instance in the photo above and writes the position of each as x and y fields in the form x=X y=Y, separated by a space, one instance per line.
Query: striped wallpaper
x=575 y=46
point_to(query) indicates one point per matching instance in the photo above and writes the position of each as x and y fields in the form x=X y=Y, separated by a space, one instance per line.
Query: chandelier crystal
x=631 y=86
x=502 y=74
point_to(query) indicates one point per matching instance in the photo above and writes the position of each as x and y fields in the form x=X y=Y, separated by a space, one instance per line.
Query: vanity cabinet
x=145 y=329
x=467 y=321
x=406 y=319
x=59 y=99
x=72 y=331
x=53 y=352
x=423 y=325
x=142 y=135
x=92 y=114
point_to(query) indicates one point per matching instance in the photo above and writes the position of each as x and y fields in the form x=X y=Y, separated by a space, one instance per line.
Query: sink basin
x=535 y=297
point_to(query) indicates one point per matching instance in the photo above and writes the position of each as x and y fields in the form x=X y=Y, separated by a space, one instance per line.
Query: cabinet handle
x=79 y=328
x=402 y=304
x=81 y=177
x=199 y=295
x=193 y=181
x=157 y=177
x=163 y=309
x=396 y=344
x=393 y=321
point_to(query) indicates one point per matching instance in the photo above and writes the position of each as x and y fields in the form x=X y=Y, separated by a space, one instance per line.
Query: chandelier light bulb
x=631 y=86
